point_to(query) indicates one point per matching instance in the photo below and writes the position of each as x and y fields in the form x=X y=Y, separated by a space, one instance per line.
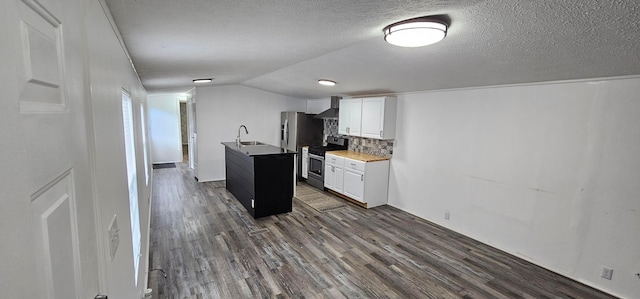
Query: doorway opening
x=184 y=131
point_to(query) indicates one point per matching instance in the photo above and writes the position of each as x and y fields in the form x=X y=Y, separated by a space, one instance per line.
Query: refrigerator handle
x=286 y=133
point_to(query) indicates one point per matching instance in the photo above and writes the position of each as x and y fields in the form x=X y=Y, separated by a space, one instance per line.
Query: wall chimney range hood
x=333 y=111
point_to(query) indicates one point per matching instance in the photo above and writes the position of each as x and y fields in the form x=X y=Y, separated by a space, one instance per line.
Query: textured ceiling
x=285 y=46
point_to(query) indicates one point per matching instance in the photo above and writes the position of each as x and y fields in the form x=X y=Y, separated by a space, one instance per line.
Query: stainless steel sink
x=251 y=143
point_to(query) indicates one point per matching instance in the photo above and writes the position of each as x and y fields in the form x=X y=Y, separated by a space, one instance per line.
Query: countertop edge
x=258 y=150
x=358 y=156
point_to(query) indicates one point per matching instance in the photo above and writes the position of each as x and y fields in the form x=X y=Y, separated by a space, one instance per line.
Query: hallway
x=210 y=247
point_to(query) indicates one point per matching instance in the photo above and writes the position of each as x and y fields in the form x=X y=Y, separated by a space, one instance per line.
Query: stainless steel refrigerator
x=298 y=129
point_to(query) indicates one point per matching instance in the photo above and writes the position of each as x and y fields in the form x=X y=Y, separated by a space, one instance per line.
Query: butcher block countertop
x=358 y=156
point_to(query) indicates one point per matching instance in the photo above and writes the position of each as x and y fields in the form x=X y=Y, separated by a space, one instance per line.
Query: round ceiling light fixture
x=416 y=32
x=204 y=80
x=326 y=82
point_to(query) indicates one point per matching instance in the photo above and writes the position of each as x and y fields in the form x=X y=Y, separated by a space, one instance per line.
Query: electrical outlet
x=447 y=215
x=607 y=273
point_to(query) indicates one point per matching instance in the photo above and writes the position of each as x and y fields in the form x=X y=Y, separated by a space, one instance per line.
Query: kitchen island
x=260 y=176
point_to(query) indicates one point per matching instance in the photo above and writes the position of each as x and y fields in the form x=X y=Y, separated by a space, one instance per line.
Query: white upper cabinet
x=350 y=117
x=368 y=117
x=379 y=118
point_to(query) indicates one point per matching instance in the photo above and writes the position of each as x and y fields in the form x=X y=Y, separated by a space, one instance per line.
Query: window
x=130 y=150
x=143 y=128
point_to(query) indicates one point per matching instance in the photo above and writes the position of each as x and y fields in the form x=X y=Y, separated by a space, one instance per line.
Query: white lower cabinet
x=339 y=176
x=333 y=177
x=366 y=182
x=354 y=184
x=333 y=172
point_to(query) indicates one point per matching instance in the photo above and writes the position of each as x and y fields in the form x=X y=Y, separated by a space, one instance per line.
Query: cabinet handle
x=333 y=169
x=353 y=164
x=362 y=177
x=380 y=133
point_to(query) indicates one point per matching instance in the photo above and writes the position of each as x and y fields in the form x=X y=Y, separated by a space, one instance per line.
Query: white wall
x=317 y=106
x=164 y=127
x=220 y=112
x=110 y=71
x=547 y=172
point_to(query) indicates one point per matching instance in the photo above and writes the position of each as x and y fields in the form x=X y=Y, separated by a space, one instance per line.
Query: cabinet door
x=338 y=178
x=349 y=117
x=329 y=177
x=354 y=184
x=343 y=116
x=355 y=117
x=373 y=117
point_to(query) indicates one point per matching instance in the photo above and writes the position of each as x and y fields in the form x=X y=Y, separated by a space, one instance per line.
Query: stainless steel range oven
x=316 y=171
x=316 y=159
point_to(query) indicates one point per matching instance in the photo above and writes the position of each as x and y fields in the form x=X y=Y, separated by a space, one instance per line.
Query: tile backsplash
x=330 y=128
x=376 y=147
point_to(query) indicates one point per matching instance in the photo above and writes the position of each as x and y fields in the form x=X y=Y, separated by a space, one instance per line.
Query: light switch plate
x=607 y=273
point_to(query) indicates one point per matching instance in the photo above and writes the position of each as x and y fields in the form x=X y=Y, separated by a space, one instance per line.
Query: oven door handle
x=321 y=158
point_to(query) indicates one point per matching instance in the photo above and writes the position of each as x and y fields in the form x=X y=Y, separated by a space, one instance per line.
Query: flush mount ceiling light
x=208 y=80
x=416 y=32
x=326 y=82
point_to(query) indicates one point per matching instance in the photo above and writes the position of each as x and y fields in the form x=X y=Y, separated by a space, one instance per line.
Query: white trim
x=596 y=80
x=101 y=244
x=116 y=31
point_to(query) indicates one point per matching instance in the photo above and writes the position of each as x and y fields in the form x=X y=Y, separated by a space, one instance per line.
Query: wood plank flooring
x=210 y=247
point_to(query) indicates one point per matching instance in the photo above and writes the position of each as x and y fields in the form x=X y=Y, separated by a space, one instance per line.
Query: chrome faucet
x=238 y=142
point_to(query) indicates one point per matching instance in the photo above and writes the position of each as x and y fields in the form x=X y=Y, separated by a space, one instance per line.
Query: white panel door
x=191 y=116
x=47 y=217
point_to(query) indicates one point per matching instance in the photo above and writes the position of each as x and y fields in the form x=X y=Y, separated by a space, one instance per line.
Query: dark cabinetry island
x=260 y=177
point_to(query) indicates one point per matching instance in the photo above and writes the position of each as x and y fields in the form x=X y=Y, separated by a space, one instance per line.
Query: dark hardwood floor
x=210 y=247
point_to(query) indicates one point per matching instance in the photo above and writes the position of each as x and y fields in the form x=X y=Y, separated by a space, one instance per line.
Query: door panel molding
x=54 y=211
x=41 y=74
